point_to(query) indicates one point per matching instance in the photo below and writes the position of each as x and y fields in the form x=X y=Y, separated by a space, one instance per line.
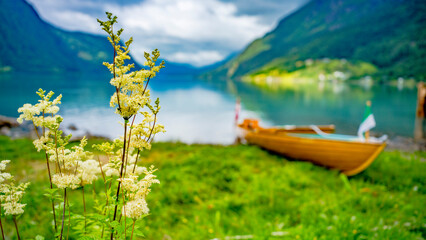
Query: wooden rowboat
x=254 y=124
x=346 y=153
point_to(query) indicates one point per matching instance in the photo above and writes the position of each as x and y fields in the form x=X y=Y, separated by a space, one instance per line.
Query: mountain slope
x=389 y=34
x=32 y=45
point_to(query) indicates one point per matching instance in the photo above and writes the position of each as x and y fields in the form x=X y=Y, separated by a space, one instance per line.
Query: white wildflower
x=13 y=208
x=147 y=181
x=3 y=164
x=130 y=98
x=40 y=143
x=63 y=181
x=139 y=170
x=42 y=113
x=138 y=189
x=28 y=112
x=88 y=171
x=5 y=176
x=109 y=171
x=11 y=198
x=113 y=167
x=38 y=237
x=129 y=183
x=135 y=209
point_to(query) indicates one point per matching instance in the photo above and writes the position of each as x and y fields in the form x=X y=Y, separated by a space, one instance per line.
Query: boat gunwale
x=284 y=134
x=370 y=150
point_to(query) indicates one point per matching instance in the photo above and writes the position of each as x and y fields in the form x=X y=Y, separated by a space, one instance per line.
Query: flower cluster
x=136 y=192
x=4 y=176
x=135 y=209
x=11 y=194
x=39 y=113
x=114 y=153
x=66 y=180
x=131 y=98
x=144 y=131
x=126 y=183
x=131 y=87
x=88 y=171
x=74 y=168
x=70 y=165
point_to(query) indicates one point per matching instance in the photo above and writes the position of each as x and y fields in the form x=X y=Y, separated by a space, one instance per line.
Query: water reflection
x=203 y=112
x=198 y=115
x=331 y=102
x=192 y=111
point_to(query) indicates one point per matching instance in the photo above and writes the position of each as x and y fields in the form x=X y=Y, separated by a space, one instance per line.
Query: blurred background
x=289 y=61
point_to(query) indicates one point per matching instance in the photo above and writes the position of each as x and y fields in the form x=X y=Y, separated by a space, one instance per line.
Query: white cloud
x=205 y=27
x=42 y=5
x=197 y=58
x=75 y=20
x=194 y=20
x=191 y=31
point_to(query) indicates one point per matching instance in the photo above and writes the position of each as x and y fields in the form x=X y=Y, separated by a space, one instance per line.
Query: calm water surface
x=195 y=111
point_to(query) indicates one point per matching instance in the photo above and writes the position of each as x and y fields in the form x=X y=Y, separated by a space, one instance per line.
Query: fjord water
x=195 y=111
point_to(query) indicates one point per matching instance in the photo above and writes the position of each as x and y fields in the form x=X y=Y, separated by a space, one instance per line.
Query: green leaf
x=114 y=224
x=346 y=183
x=38 y=237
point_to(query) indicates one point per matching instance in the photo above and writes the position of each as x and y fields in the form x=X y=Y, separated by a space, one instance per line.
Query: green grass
x=210 y=191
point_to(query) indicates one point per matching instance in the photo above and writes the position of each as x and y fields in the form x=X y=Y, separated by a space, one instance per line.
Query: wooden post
x=238 y=137
x=420 y=111
x=421 y=95
x=367 y=133
x=237 y=110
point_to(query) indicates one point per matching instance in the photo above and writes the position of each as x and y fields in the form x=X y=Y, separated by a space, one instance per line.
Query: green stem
x=63 y=213
x=69 y=218
x=94 y=192
x=146 y=86
x=36 y=131
x=44 y=129
x=133 y=228
x=125 y=226
x=1 y=225
x=2 y=232
x=57 y=154
x=128 y=145
x=152 y=129
x=50 y=179
x=51 y=187
x=136 y=161
x=121 y=175
x=16 y=226
x=48 y=169
x=113 y=62
x=84 y=206
x=125 y=222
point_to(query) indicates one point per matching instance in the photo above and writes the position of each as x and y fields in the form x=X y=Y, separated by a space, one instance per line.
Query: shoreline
x=11 y=128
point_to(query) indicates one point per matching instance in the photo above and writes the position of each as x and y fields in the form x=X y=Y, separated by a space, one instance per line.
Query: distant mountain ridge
x=390 y=34
x=30 y=44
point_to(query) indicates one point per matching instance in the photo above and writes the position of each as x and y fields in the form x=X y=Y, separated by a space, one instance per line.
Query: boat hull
x=347 y=156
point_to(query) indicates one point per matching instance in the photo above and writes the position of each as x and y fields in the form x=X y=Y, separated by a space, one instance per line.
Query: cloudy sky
x=198 y=32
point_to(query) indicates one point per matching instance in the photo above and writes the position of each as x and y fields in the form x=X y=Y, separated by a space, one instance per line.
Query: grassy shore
x=243 y=192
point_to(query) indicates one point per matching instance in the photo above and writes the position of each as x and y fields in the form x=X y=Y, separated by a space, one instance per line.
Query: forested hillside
x=389 y=34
